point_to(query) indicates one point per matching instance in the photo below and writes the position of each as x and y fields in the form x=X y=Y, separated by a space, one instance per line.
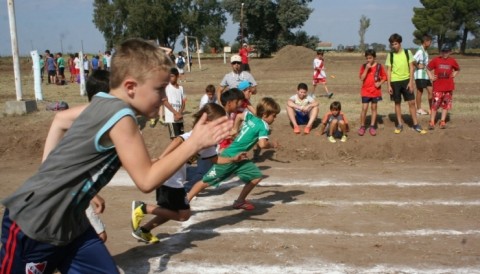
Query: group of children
x=45 y=227
x=403 y=73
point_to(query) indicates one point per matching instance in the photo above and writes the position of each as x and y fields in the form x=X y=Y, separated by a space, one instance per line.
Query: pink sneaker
x=361 y=131
x=372 y=131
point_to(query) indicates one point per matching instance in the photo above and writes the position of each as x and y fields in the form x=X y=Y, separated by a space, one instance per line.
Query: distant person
x=52 y=69
x=233 y=78
x=319 y=75
x=244 y=52
x=208 y=97
x=422 y=81
x=442 y=70
x=302 y=109
x=95 y=63
x=44 y=220
x=42 y=66
x=71 y=67
x=86 y=66
x=372 y=75
x=78 y=66
x=255 y=128
x=61 y=68
x=107 y=60
x=400 y=65
x=335 y=123
x=180 y=62
x=174 y=104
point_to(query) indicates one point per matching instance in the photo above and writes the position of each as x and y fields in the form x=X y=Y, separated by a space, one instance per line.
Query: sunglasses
x=236 y=63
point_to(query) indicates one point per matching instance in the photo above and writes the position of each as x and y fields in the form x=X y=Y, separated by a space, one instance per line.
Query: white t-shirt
x=76 y=61
x=204 y=100
x=178 y=178
x=318 y=64
x=175 y=97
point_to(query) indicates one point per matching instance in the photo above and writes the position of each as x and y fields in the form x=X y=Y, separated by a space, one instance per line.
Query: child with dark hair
x=208 y=97
x=174 y=105
x=172 y=202
x=231 y=101
x=335 y=123
x=372 y=76
x=302 y=109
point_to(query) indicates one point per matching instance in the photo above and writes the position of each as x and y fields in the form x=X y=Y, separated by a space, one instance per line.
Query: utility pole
x=241 y=25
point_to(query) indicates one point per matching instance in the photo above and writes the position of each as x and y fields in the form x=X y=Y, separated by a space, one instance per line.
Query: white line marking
x=314 y=267
x=328 y=232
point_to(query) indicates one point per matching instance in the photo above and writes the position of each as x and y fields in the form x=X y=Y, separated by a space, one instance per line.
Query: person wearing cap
x=245 y=87
x=243 y=52
x=233 y=78
x=442 y=70
x=302 y=109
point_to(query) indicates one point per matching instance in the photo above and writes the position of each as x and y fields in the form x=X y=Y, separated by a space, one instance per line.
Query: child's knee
x=184 y=215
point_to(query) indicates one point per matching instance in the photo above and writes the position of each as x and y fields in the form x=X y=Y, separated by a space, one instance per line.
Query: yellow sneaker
x=398 y=129
x=146 y=237
x=137 y=214
x=331 y=139
x=344 y=139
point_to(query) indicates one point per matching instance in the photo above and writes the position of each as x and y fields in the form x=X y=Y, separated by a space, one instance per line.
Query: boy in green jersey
x=255 y=129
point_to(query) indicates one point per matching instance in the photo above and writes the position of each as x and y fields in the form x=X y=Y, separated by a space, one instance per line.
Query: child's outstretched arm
x=134 y=156
x=61 y=123
x=265 y=143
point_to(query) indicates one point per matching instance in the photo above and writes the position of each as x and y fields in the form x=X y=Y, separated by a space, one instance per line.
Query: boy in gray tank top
x=44 y=225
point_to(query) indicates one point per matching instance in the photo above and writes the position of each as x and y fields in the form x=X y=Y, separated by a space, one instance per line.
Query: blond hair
x=267 y=106
x=137 y=58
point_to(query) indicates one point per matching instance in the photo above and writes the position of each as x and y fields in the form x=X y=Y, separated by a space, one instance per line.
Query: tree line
x=267 y=24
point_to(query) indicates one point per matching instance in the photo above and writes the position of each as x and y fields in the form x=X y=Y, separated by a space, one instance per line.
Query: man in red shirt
x=442 y=70
x=243 y=52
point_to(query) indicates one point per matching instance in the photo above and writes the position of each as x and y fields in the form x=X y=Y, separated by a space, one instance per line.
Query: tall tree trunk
x=463 y=43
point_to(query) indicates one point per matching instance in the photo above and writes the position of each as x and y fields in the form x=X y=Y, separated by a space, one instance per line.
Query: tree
x=161 y=20
x=364 y=24
x=446 y=20
x=269 y=24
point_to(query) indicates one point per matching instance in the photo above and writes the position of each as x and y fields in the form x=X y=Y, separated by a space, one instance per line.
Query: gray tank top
x=50 y=206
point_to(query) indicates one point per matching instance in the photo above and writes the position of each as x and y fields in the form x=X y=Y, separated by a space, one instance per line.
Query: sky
x=66 y=25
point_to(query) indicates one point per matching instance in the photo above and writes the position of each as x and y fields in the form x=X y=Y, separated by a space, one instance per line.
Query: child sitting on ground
x=335 y=123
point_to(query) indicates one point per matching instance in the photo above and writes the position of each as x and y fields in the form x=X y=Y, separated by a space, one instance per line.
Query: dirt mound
x=293 y=57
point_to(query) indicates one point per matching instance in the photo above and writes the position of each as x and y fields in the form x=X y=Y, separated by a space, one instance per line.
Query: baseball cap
x=244 y=85
x=245 y=44
x=235 y=58
x=446 y=47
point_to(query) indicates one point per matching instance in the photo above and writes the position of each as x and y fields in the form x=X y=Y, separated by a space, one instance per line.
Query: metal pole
x=241 y=25
x=16 y=61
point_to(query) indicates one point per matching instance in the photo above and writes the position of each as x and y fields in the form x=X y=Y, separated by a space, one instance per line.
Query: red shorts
x=442 y=99
x=77 y=71
x=316 y=81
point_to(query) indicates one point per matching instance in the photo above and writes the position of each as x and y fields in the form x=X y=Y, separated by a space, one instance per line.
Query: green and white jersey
x=421 y=57
x=253 y=129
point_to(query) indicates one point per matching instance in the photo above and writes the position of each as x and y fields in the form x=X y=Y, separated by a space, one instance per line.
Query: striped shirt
x=421 y=57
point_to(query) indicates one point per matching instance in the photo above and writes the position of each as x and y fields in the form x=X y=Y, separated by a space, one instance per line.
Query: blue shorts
x=373 y=100
x=22 y=254
x=301 y=117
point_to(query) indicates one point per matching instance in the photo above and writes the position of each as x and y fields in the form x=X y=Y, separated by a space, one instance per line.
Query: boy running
x=254 y=129
x=44 y=224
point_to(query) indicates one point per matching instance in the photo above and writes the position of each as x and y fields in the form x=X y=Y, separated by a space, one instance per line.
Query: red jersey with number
x=443 y=68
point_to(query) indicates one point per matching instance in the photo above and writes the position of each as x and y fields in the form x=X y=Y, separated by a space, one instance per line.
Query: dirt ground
x=405 y=203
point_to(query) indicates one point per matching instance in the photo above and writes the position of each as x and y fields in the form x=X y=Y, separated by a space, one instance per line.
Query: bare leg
x=247 y=189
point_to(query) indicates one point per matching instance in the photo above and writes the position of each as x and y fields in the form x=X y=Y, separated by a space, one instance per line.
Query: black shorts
x=61 y=72
x=400 y=88
x=175 y=129
x=423 y=83
x=245 y=67
x=52 y=73
x=172 y=198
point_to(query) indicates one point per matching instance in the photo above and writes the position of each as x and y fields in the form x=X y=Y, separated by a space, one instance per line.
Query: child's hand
x=240 y=157
x=209 y=134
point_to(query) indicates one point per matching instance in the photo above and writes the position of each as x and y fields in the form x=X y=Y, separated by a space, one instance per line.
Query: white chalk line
x=313 y=267
x=329 y=232
x=123 y=179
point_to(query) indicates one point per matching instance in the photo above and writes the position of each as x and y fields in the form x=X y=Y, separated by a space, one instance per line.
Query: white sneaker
x=422 y=112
